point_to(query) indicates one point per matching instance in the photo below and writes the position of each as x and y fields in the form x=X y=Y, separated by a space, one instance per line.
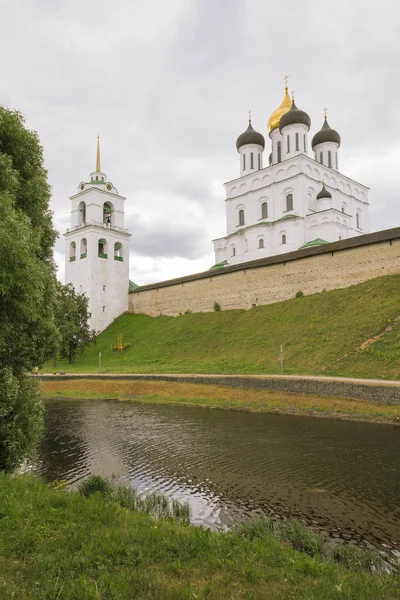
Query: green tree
x=24 y=178
x=72 y=319
x=28 y=333
x=21 y=418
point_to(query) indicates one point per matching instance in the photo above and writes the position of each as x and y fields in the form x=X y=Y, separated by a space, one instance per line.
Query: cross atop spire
x=98 y=169
x=249 y=116
x=286 y=79
x=325 y=112
x=292 y=95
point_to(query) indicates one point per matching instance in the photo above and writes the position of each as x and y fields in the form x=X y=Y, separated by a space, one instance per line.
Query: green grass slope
x=55 y=545
x=321 y=334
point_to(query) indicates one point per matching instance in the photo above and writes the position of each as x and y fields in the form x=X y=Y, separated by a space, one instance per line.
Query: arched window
x=264 y=210
x=289 y=202
x=233 y=251
x=358 y=221
x=251 y=160
x=279 y=150
x=321 y=158
x=261 y=243
x=107 y=213
x=82 y=213
x=118 y=251
x=297 y=142
x=329 y=159
x=244 y=162
x=83 y=248
x=288 y=143
x=284 y=238
x=259 y=161
x=305 y=143
x=72 y=251
x=342 y=209
x=103 y=248
x=241 y=217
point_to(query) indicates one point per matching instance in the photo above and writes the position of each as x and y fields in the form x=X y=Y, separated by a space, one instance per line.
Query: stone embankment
x=385 y=392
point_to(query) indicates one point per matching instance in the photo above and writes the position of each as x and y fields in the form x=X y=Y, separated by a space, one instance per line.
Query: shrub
x=217 y=307
x=95 y=485
x=299 y=294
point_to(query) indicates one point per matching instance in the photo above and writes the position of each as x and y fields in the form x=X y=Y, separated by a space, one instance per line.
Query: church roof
x=293 y=117
x=285 y=106
x=316 y=242
x=325 y=134
x=288 y=217
x=219 y=265
x=250 y=136
x=324 y=193
x=132 y=286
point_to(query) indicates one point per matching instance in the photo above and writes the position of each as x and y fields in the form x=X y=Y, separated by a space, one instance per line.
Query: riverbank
x=352 y=332
x=59 y=545
x=221 y=397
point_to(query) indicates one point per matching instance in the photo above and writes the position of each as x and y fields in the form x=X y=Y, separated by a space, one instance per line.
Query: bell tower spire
x=98 y=169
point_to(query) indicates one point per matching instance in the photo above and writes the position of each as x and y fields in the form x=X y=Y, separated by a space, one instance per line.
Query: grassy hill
x=349 y=332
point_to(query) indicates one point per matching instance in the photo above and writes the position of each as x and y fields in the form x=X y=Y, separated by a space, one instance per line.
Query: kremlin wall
x=315 y=269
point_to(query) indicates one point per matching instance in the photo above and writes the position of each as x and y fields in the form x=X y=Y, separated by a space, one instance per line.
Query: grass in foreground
x=214 y=396
x=57 y=545
x=322 y=334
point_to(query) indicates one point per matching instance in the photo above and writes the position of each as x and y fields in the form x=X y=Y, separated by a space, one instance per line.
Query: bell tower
x=97 y=248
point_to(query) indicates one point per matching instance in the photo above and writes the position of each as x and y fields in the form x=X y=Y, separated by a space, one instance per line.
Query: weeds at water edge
x=154 y=504
x=304 y=539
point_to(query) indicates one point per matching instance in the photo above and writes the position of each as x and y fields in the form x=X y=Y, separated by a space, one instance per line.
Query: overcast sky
x=168 y=85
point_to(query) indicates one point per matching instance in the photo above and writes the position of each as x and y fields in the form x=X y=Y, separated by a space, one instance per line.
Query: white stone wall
x=290 y=132
x=245 y=158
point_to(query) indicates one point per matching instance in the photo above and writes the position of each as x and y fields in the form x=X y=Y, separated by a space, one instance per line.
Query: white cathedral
x=293 y=203
x=296 y=201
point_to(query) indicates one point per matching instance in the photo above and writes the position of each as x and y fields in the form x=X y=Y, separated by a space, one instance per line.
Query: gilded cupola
x=273 y=121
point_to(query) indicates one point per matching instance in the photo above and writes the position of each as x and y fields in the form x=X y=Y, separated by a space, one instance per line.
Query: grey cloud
x=167 y=239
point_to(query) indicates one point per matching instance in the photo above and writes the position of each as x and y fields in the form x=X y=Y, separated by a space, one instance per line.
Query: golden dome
x=273 y=121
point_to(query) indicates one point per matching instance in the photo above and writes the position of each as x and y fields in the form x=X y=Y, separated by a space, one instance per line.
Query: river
x=341 y=477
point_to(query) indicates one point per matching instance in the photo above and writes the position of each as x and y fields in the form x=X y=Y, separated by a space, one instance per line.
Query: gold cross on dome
x=286 y=79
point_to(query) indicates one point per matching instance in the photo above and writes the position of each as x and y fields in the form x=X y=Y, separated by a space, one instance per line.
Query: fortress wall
x=329 y=267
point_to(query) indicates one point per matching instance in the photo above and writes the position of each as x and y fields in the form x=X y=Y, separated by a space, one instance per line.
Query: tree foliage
x=21 y=418
x=24 y=178
x=72 y=319
x=28 y=333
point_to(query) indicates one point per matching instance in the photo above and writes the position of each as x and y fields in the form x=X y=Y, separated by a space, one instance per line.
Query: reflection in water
x=337 y=475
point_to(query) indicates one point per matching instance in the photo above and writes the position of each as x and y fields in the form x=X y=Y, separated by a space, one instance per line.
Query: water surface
x=339 y=476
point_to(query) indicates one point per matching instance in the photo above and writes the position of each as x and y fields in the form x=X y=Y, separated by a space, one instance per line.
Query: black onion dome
x=250 y=137
x=325 y=134
x=324 y=193
x=293 y=117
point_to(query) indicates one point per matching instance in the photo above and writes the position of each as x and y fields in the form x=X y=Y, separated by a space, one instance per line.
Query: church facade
x=297 y=200
x=97 y=248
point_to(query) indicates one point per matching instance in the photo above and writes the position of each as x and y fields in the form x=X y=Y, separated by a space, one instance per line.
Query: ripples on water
x=229 y=465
